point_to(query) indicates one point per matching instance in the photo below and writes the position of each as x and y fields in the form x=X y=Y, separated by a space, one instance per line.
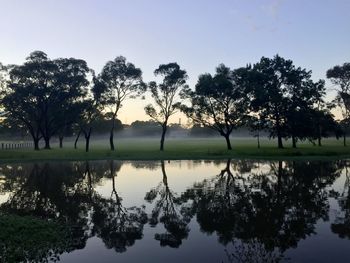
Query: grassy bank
x=147 y=149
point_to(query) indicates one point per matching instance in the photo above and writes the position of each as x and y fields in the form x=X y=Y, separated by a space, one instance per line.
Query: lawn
x=148 y=149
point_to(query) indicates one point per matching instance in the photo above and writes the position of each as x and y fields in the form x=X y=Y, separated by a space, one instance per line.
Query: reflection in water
x=268 y=211
x=167 y=211
x=341 y=226
x=116 y=225
x=257 y=210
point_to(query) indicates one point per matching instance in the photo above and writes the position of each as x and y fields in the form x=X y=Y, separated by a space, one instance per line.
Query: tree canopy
x=166 y=95
x=219 y=102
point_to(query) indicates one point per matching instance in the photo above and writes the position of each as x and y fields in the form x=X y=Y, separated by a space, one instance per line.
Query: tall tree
x=90 y=110
x=219 y=102
x=41 y=90
x=304 y=98
x=25 y=93
x=268 y=93
x=340 y=76
x=281 y=93
x=166 y=95
x=121 y=80
x=72 y=76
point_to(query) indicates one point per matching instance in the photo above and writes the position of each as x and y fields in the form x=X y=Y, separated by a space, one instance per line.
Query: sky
x=197 y=34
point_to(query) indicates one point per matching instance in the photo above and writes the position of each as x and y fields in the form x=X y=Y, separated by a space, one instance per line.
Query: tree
x=256 y=125
x=320 y=124
x=145 y=128
x=41 y=92
x=72 y=76
x=281 y=94
x=23 y=97
x=88 y=115
x=340 y=76
x=304 y=96
x=121 y=80
x=90 y=111
x=165 y=95
x=102 y=124
x=219 y=102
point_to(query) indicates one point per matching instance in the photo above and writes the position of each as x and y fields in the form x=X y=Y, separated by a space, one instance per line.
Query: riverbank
x=184 y=149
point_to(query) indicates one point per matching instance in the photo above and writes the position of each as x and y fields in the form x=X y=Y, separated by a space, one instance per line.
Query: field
x=148 y=149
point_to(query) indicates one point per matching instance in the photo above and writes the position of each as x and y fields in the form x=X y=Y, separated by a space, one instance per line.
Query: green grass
x=175 y=149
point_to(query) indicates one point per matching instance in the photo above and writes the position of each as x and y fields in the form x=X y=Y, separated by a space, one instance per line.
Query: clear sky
x=197 y=34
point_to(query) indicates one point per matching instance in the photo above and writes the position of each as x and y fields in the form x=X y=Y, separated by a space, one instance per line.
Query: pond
x=175 y=211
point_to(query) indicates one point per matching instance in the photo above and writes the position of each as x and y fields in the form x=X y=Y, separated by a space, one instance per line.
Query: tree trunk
x=36 y=144
x=164 y=128
x=76 y=139
x=228 y=142
x=279 y=135
x=61 y=141
x=279 y=179
x=111 y=142
x=165 y=179
x=258 y=138
x=87 y=143
x=279 y=140
x=319 y=135
x=88 y=175
x=87 y=140
x=344 y=139
x=294 y=142
x=47 y=142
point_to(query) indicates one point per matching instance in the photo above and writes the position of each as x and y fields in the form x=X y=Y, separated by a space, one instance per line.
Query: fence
x=10 y=146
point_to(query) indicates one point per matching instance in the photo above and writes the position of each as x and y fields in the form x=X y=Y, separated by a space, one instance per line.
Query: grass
x=175 y=149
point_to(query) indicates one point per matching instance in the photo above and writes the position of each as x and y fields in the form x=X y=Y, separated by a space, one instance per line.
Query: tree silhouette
x=165 y=95
x=117 y=226
x=120 y=80
x=341 y=225
x=281 y=94
x=41 y=92
x=269 y=211
x=219 y=102
x=49 y=204
x=340 y=76
x=167 y=210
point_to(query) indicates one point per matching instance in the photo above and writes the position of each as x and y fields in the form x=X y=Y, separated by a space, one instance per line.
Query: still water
x=178 y=211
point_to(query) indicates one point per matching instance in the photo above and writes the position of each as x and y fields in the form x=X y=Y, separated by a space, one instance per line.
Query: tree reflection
x=167 y=210
x=269 y=209
x=119 y=227
x=253 y=251
x=341 y=225
x=50 y=192
x=257 y=210
x=61 y=198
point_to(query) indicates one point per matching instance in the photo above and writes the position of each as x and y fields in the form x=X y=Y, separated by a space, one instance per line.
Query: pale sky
x=197 y=34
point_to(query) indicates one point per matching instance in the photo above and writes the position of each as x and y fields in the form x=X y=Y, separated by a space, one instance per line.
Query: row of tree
x=48 y=97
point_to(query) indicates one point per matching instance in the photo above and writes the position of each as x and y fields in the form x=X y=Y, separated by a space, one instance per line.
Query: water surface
x=178 y=211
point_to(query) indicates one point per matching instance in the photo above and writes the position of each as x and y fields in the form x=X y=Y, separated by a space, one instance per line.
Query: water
x=178 y=211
